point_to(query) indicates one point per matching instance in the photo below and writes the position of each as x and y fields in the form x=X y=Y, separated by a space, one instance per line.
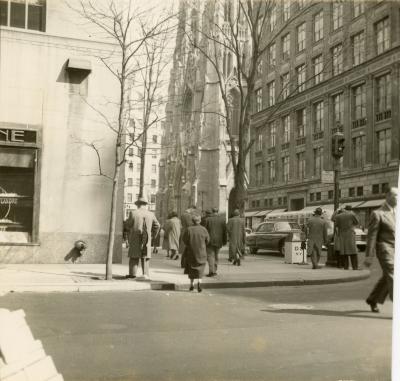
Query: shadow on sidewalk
x=350 y=313
x=96 y=276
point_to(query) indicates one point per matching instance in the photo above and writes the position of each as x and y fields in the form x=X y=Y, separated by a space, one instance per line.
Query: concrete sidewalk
x=256 y=271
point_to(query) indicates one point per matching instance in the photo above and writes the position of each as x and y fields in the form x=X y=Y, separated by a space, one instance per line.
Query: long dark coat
x=216 y=228
x=135 y=225
x=317 y=230
x=237 y=236
x=345 y=223
x=196 y=239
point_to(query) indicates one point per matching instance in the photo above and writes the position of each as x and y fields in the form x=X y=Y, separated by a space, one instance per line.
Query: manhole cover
x=291 y=307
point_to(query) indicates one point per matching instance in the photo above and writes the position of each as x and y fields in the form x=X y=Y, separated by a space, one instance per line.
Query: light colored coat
x=173 y=232
x=317 y=232
x=381 y=233
x=135 y=226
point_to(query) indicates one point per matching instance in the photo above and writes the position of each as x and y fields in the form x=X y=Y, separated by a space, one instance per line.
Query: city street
x=275 y=333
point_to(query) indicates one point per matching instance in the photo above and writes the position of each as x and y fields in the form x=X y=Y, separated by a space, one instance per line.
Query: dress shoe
x=176 y=257
x=191 y=288
x=130 y=276
x=199 y=289
x=317 y=267
x=373 y=306
x=209 y=275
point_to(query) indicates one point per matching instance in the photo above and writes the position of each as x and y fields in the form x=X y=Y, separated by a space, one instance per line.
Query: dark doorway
x=296 y=203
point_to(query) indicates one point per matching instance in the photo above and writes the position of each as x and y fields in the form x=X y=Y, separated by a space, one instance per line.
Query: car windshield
x=283 y=225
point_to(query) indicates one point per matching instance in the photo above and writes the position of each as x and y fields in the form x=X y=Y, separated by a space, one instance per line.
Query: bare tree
x=131 y=29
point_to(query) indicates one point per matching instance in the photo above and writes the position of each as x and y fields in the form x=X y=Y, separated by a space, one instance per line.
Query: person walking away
x=336 y=245
x=345 y=223
x=216 y=228
x=380 y=242
x=206 y=214
x=317 y=234
x=196 y=239
x=126 y=230
x=186 y=221
x=143 y=226
x=236 y=237
x=173 y=231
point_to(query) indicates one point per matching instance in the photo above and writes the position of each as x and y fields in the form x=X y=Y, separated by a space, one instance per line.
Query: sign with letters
x=327 y=177
x=10 y=135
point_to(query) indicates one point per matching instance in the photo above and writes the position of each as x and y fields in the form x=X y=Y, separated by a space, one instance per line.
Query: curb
x=168 y=286
x=249 y=284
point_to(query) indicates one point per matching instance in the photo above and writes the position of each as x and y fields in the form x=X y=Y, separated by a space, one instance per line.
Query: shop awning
x=79 y=64
x=263 y=213
x=276 y=211
x=354 y=204
x=372 y=203
x=251 y=213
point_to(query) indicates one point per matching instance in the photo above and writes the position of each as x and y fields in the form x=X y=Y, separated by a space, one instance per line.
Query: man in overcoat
x=317 y=234
x=143 y=226
x=380 y=241
x=345 y=222
x=236 y=236
x=216 y=228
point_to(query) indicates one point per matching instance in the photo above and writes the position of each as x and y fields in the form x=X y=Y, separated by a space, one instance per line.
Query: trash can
x=293 y=248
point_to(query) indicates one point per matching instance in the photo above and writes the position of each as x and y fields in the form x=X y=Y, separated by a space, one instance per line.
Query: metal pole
x=332 y=257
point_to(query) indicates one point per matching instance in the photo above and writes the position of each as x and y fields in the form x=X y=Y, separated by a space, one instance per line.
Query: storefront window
x=17 y=178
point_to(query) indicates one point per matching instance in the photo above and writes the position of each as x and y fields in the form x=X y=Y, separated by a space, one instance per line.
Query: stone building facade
x=51 y=85
x=329 y=67
x=195 y=165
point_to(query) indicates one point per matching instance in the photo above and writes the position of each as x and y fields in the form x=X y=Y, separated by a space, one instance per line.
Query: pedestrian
x=216 y=228
x=173 y=233
x=345 y=222
x=380 y=241
x=336 y=245
x=196 y=239
x=236 y=237
x=125 y=231
x=186 y=221
x=207 y=213
x=317 y=234
x=143 y=226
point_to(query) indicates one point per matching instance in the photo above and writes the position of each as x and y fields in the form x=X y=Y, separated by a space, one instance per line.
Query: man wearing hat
x=216 y=228
x=345 y=222
x=317 y=234
x=143 y=226
x=237 y=237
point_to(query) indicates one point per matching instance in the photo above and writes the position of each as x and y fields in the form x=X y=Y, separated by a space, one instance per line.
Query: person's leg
x=174 y=254
x=146 y=266
x=387 y=264
x=354 y=261
x=191 y=284
x=133 y=266
x=199 y=289
x=314 y=259
x=216 y=259
x=210 y=260
x=346 y=262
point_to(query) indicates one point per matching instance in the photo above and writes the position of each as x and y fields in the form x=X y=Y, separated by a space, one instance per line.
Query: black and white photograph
x=199 y=190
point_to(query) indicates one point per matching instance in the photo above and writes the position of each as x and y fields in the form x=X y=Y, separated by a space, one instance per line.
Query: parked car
x=271 y=236
x=302 y=218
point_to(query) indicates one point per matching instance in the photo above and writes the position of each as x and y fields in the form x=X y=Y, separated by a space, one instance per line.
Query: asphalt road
x=275 y=334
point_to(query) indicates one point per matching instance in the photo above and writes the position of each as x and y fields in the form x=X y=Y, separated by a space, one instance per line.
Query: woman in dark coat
x=196 y=238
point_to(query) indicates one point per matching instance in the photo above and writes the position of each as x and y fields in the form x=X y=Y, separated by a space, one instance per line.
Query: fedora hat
x=141 y=201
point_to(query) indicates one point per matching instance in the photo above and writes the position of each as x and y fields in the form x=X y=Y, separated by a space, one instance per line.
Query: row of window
x=129 y=198
x=358 y=152
x=153 y=182
x=25 y=14
x=153 y=167
x=316 y=196
x=131 y=152
x=383 y=106
x=319 y=68
x=336 y=11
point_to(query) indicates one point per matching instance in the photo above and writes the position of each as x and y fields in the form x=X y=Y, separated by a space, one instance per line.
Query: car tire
x=253 y=250
x=282 y=248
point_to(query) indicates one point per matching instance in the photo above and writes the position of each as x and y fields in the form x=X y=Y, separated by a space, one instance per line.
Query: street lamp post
x=338 y=141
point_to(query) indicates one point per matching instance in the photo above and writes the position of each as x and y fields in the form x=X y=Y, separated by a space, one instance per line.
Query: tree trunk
x=238 y=194
x=142 y=162
x=111 y=234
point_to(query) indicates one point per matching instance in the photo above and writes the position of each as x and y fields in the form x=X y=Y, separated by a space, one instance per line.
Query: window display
x=17 y=187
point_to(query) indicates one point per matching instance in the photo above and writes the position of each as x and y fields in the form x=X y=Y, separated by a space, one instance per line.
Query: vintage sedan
x=271 y=236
